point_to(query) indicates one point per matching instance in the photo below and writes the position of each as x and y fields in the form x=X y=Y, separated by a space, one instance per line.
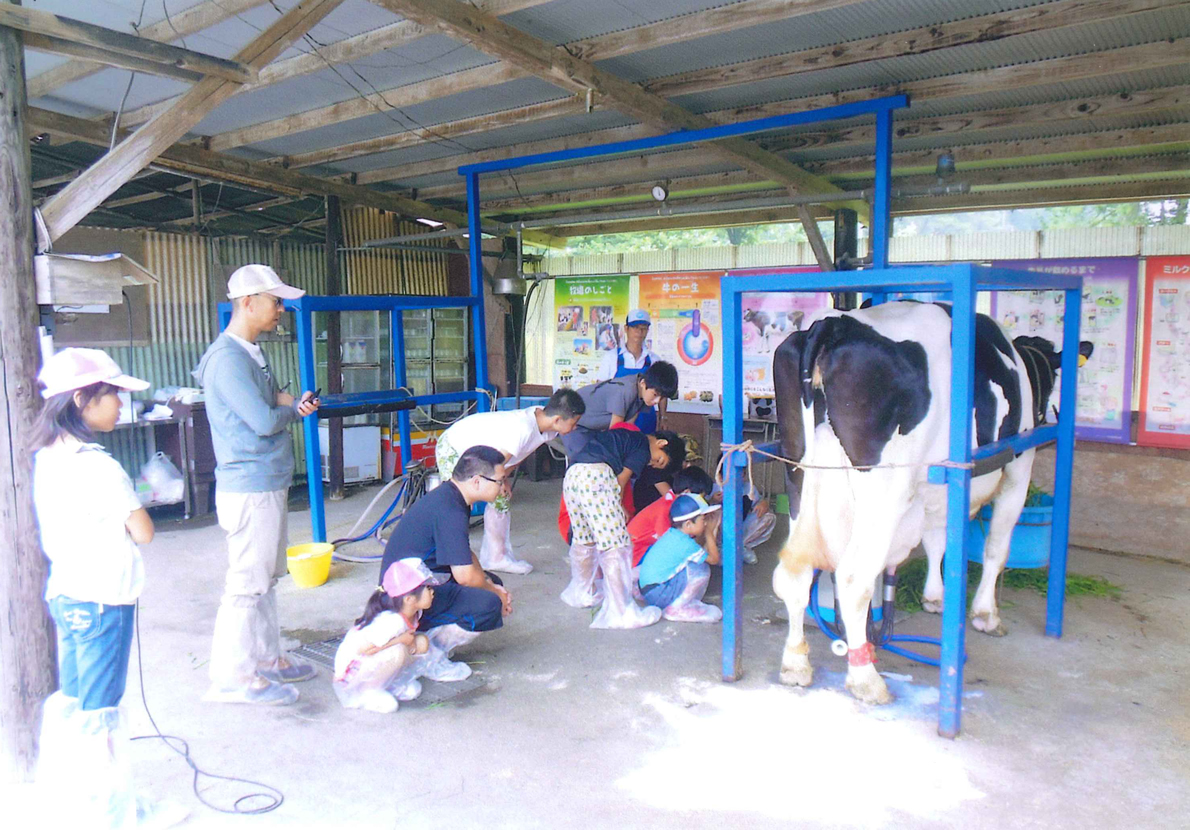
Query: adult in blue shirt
x=436 y=530
x=632 y=358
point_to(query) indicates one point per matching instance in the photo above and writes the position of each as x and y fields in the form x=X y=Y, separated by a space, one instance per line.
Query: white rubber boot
x=619 y=609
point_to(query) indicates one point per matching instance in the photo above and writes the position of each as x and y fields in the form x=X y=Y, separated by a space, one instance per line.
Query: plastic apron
x=646 y=419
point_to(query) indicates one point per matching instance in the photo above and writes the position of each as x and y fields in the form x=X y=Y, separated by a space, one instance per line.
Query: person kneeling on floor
x=592 y=490
x=435 y=529
x=650 y=524
x=382 y=656
x=676 y=569
x=516 y=434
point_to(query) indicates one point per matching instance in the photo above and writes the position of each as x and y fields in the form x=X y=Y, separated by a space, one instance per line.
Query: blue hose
x=379 y=522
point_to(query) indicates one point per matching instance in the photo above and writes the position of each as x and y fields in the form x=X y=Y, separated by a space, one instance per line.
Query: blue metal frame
x=960 y=283
x=303 y=313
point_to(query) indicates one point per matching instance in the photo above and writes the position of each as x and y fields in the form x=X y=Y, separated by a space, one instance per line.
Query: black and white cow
x=872 y=387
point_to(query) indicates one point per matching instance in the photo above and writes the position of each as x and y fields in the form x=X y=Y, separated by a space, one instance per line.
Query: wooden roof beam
x=558 y=66
x=76 y=200
x=48 y=32
x=178 y=25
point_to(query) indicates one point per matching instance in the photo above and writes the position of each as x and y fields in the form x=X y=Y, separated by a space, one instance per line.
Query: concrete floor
x=581 y=728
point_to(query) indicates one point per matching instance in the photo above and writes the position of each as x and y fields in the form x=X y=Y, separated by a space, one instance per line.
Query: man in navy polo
x=435 y=529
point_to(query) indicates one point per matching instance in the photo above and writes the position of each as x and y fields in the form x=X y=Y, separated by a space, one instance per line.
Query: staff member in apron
x=631 y=359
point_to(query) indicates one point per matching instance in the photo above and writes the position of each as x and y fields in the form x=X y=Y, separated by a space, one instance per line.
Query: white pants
x=247 y=634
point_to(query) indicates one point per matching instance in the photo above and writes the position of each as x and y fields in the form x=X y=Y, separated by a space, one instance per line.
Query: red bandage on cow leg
x=865 y=655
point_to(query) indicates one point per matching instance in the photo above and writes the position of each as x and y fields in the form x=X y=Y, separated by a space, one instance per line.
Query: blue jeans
x=472 y=609
x=663 y=594
x=94 y=642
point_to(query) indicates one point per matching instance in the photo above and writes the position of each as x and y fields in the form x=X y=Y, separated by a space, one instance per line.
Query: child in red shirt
x=649 y=524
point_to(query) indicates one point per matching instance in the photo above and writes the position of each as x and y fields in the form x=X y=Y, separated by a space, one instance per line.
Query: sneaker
x=295 y=672
x=271 y=694
x=410 y=691
x=446 y=671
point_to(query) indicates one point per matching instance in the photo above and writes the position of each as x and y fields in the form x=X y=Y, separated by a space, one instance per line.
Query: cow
x=872 y=387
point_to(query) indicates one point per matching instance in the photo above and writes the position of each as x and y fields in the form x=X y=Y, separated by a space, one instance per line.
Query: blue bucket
x=1030 y=546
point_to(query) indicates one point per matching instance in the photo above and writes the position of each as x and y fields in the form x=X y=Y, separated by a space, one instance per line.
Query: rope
x=749 y=449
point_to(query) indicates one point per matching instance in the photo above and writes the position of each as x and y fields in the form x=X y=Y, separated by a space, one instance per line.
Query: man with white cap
x=632 y=358
x=249 y=417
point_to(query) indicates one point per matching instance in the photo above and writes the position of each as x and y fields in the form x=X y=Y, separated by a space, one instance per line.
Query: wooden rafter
x=1014 y=23
x=179 y=25
x=675 y=30
x=63 y=35
x=558 y=66
x=103 y=178
x=360 y=46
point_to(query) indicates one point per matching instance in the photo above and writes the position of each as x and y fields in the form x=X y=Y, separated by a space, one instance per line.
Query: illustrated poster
x=588 y=313
x=1104 y=410
x=686 y=312
x=1165 y=372
x=767 y=320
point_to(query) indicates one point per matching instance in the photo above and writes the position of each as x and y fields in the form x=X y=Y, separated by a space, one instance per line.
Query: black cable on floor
x=275 y=796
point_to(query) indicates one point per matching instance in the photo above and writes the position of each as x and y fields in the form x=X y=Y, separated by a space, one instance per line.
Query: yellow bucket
x=310 y=563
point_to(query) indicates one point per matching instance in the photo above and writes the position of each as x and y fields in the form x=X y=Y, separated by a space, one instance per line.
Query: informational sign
x=767 y=320
x=1104 y=411
x=588 y=313
x=1165 y=372
x=686 y=312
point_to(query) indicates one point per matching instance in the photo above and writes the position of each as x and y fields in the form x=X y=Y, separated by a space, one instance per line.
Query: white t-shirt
x=513 y=432
x=383 y=628
x=252 y=349
x=607 y=367
x=83 y=497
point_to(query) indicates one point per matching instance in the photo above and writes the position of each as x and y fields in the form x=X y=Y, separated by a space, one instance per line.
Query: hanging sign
x=588 y=312
x=1165 y=368
x=686 y=312
x=1104 y=410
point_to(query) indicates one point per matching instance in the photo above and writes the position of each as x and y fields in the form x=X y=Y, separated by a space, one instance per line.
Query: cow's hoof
x=868 y=687
x=932 y=606
x=989 y=625
x=797 y=674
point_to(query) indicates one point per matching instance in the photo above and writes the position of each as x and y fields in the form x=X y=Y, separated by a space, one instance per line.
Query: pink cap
x=406 y=575
x=259 y=279
x=72 y=369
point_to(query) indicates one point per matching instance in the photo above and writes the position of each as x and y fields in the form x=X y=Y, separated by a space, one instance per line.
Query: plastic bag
x=164 y=479
x=689 y=607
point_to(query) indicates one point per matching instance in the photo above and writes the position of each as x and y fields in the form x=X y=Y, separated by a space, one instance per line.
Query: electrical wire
x=275 y=797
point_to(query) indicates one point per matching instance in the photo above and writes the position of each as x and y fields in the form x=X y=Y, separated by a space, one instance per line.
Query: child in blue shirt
x=676 y=569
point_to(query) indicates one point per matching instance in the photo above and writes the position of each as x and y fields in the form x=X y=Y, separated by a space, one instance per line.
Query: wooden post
x=27 y=657
x=334 y=341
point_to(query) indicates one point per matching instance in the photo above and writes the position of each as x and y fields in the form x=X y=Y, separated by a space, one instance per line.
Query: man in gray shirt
x=620 y=399
x=249 y=419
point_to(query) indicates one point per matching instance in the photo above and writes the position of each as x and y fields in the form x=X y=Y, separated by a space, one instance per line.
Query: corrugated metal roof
x=564 y=21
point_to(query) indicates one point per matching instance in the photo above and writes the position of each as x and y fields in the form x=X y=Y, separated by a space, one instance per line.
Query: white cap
x=638 y=316
x=259 y=279
x=72 y=369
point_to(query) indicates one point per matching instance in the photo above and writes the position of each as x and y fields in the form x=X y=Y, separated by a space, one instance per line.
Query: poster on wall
x=588 y=313
x=766 y=321
x=686 y=312
x=1108 y=320
x=1165 y=369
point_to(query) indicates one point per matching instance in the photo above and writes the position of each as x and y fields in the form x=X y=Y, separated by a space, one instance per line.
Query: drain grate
x=432 y=691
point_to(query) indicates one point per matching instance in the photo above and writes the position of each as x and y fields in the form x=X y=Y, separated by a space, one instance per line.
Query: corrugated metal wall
x=388 y=271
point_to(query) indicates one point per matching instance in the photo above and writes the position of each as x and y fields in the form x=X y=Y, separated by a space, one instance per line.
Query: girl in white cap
x=91 y=522
x=382 y=656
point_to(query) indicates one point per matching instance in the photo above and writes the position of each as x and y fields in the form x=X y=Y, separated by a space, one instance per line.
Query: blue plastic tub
x=1030 y=546
x=505 y=404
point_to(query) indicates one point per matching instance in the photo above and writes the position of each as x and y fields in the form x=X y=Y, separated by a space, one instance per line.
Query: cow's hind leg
x=985 y=613
x=934 y=542
x=791 y=582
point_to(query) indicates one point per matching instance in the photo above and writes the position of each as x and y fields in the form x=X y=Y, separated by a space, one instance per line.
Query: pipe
x=443 y=233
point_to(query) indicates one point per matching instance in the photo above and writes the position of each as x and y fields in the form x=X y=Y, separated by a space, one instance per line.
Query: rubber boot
x=584 y=564
x=495 y=554
x=619 y=610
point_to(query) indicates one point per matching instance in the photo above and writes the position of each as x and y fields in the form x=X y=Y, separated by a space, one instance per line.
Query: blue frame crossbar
x=303 y=312
x=961 y=283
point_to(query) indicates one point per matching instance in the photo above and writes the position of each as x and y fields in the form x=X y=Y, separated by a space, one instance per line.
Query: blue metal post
x=401 y=376
x=881 y=225
x=305 y=336
x=733 y=494
x=958 y=500
x=1064 y=465
x=478 y=325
